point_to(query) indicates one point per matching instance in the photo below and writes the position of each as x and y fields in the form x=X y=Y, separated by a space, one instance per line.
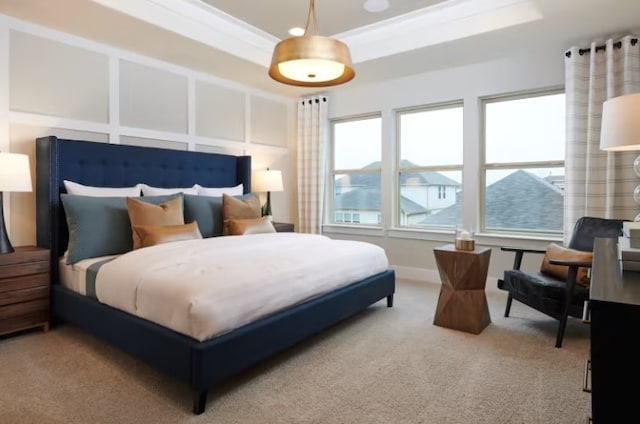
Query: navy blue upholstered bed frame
x=199 y=364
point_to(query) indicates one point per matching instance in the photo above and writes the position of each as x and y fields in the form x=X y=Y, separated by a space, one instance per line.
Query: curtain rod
x=316 y=99
x=616 y=45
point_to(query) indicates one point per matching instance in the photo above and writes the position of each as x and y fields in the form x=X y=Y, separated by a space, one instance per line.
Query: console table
x=462 y=304
x=615 y=318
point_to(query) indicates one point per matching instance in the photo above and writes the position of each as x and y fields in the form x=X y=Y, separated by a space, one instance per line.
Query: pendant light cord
x=310 y=16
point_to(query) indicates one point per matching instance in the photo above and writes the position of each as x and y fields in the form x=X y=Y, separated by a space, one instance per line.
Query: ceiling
x=233 y=39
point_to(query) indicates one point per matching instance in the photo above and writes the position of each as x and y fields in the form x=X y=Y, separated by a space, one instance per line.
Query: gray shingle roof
x=520 y=200
x=369 y=199
x=420 y=177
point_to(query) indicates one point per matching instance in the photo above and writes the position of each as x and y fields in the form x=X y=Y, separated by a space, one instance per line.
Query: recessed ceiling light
x=376 y=5
x=296 y=31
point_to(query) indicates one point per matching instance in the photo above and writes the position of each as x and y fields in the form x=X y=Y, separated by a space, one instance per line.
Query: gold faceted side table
x=462 y=304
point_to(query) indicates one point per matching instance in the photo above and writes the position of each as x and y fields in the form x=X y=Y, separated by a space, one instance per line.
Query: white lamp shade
x=621 y=123
x=267 y=180
x=15 y=173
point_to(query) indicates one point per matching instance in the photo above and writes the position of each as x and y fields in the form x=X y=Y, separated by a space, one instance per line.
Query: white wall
x=410 y=251
x=53 y=83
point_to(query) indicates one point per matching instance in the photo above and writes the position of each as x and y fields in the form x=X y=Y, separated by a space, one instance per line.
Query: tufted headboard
x=113 y=165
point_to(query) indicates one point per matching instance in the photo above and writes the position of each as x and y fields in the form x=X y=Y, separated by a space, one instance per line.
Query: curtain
x=313 y=142
x=598 y=183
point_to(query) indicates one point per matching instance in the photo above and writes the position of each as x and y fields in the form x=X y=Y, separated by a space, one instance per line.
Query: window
x=429 y=180
x=524 y=149
x=356 y=160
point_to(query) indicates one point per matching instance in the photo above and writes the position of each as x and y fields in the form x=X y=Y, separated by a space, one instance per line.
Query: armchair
x=551 y=294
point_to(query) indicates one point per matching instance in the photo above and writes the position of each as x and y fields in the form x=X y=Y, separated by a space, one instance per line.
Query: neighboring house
x=519 y=201
x=556 y=180
x=422 y=193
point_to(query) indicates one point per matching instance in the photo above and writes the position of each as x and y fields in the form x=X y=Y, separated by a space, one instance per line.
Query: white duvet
x=203 y=288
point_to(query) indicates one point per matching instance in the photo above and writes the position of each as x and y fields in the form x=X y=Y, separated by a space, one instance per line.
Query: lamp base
x=266 y=209
x=5 y=244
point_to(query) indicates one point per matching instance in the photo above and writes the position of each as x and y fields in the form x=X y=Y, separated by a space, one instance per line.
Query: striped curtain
x=313 y=142
x=598 y=183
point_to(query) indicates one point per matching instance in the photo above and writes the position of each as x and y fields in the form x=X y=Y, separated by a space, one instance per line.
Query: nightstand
x=283 y=227
x=24 y=289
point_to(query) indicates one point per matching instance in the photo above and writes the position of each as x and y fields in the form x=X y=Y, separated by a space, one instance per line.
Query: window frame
x=484 y=166
x=398 y=169
x=329 y=217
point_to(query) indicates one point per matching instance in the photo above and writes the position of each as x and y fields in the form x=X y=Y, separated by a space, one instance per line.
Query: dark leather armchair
x=556 y=297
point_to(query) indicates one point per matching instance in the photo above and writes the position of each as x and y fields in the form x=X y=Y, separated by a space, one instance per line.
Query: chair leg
x=568 y=294
x=561 y=326
x=508 y=308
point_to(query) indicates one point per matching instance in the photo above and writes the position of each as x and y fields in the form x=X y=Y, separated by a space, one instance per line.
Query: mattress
x=204 y=288
x=74 y=277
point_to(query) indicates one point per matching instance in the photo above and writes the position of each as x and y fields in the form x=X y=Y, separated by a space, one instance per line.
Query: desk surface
x=608 y=282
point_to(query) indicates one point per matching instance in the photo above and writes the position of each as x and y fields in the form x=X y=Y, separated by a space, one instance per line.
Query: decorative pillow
x=143 y=213
x=239 y=227
x=150 y=235
x=98 y=226
x=159 y=191
x=219 y=191
x=557 y=252
x=235 y=208
x=85 y=190
x=206 y=211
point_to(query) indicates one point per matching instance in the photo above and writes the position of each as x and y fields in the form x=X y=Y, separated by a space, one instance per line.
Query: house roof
x=520 y=200
x=428 y=178
x=369 y=199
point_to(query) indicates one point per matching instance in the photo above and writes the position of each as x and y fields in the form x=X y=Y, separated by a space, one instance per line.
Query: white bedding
x=74 y=277
x=203 y=288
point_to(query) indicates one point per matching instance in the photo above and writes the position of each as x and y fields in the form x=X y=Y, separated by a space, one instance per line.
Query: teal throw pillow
x=99 y=226
x=206 y=211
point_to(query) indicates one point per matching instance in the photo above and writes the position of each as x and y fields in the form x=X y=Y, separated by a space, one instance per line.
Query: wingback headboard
x=113 y=165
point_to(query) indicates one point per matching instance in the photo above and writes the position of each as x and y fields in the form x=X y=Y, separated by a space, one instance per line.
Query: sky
x=517 y=130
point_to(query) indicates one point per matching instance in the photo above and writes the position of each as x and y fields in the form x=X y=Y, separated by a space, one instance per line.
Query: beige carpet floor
x=382 y=366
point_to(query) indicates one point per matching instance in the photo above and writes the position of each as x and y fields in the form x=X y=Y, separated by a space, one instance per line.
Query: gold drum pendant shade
x=311 y=60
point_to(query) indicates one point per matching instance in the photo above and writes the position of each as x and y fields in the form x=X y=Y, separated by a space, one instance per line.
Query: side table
x=24 y=289
x=462 y=304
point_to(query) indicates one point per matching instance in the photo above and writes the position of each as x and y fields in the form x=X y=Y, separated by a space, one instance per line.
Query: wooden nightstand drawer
x=24 y=289
x=17 y=296
x=24 y=282
x=26 y=268
x=21 y=322
x=24 y=308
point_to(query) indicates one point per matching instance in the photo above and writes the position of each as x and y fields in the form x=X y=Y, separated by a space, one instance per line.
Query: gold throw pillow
x=150 y=235
x=143 y=213
x=557 y=252
x=239 y=227
x=234 y=208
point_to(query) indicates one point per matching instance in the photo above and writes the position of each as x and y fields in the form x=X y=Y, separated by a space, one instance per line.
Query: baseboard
x=433 y=277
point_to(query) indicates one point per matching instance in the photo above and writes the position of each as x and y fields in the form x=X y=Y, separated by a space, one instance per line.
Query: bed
x=199 y=363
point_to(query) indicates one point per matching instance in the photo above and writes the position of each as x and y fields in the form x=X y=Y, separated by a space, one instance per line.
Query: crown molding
x=203 y=23
x=447 y=21
x=443 y=22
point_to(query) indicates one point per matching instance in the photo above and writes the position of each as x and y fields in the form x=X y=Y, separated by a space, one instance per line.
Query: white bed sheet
x=74 y=277
x=204 y=288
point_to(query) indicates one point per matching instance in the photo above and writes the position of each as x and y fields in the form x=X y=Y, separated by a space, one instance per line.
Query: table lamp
x=15 y=175
x=621 y=130
x=267 y=181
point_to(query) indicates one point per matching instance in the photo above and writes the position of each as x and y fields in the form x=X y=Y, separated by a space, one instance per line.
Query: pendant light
x=311 y=60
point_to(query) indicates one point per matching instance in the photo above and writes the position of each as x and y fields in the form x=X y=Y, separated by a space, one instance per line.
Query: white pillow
x=219 y=191
x=160 y=191
x=85 y=190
